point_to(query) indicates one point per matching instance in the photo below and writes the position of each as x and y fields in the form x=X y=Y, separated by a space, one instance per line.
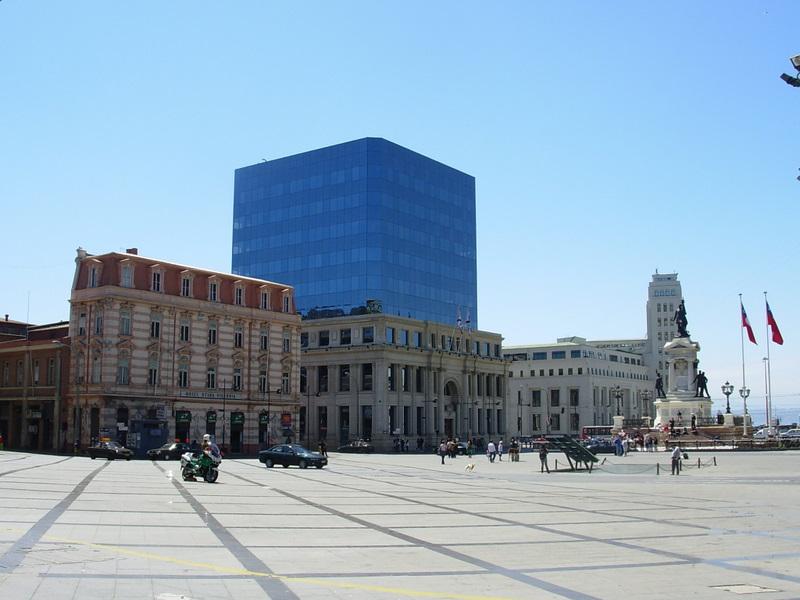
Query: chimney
x=132 y=251
x=6 y=317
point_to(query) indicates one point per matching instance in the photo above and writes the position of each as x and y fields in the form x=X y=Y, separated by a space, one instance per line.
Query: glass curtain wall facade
x=362 y=226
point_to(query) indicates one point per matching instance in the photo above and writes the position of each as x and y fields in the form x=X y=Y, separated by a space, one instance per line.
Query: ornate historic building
x=383 y=377
x=163 y=351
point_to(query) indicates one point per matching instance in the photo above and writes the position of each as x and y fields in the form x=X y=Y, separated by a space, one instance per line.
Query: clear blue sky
x=607 y=139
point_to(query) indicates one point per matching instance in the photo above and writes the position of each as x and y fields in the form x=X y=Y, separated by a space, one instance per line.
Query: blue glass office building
x=364 y=223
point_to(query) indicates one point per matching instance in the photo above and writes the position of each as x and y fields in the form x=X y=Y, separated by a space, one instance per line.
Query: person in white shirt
x=491 y=451
x=676 y=460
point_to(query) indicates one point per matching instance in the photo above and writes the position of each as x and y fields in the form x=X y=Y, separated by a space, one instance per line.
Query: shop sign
x=211 y=416
x=183 y=416
x=286 y=420
x=263 y=418
x=237 y=418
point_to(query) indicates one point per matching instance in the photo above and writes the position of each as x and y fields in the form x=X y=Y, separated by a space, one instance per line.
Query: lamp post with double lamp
x=647 y=395
x=616 y=391
x=727 y=389
x=744 y=392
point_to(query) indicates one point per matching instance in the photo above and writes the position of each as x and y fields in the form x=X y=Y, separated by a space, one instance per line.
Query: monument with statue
x=686 y=402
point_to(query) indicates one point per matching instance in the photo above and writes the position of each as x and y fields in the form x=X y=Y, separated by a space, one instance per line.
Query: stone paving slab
x=398 y=526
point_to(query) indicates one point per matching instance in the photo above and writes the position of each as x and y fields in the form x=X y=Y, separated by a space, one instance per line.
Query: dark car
x=109 y=450
x=291 y=454
x=358 y=446
x=172 y=451
x=600 y=446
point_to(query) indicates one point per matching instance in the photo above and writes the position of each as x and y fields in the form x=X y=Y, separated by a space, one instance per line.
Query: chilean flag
x=776 y=333
x=746 y=323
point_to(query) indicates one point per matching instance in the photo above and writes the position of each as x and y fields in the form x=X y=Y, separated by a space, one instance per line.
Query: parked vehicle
x=200 y=464
x=600 y=446
x=357 y=446
x=110 y=451
x=291 y=454
x=790 y=433
x=172 y=451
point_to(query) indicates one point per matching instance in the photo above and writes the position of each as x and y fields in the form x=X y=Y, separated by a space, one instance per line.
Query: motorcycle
x=203 y=464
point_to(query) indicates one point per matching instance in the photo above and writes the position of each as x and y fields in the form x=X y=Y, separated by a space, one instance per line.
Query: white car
x=761 y=434
x=791 y=433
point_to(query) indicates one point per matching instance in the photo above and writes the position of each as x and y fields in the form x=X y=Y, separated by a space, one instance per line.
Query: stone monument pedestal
x=681 y=403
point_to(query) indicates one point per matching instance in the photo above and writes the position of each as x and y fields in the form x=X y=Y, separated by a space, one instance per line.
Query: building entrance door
x=448 y=428
x=344 y=424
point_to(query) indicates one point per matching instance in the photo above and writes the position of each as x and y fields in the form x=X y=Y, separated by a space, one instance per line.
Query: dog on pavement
x=470 y=467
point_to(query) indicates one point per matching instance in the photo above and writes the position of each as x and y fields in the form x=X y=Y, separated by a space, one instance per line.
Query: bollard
x=556 y=467
x=658 y=469
x=715 y=461
x=698 y=462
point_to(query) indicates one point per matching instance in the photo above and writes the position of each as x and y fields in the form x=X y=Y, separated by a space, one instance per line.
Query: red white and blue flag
x=776 y=333
x=746 y=324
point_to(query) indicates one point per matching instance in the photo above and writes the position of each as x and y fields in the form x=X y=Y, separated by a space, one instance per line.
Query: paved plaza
x=401 y=526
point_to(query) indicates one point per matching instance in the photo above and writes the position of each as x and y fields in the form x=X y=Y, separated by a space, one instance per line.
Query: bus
x=596 y=431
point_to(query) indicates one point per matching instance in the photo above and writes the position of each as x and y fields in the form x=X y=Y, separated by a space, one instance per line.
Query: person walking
x=442 y=450
x=676 y=460
x=543 y=458
x=491 y=451
x=500 y=450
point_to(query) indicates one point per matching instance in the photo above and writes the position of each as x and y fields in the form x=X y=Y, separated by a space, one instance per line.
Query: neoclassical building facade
x=162 y=351
x=382 y=377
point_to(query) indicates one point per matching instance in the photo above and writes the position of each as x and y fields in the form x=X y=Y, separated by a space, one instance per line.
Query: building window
x=536 y=398
x=263 y=337
x=390 y=335
x=183 y=375
x=185 y=330
x=93 y=277
x=287 y=340
x=79 y=366
x=238 y=296
x=264 y=301
x=124 y=322
x=262 y=381
x=6 y=374
x=286 y=299
x=539 y=356
x=51 y=372
x=555 y=422
x=574 y=353
x=344 y=337
x=186 y=286
x=95 y=372
x=304 y=339
x=152 y=370
x=366 y=377
x=322 y=379
x=123 y=370
x=82 y=324
x=418 y=339
x=421 y=380
x=344 y=378
x=559 y=354
x=155 y=326
x=238 y=336
x=213 y=288
x=368 y=335
x=237 y=378
x=405 y=374
x=574 y=397
x=211 y=378
x=35 y=372
x=127 y=276
x=156 y=281
x=555 y=398
x=212 y=333
x=390 y=376
x=324 y=338
x=285 y=387
x=580 y=370
x=404 y=337
x=98 y=323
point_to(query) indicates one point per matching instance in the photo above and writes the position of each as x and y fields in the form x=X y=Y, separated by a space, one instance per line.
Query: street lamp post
x=224 y=382
x=647 y=395
x=727 y=389
x=744 y=392
x=616 y=391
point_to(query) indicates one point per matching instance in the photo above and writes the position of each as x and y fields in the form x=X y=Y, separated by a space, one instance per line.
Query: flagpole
x=744 y=381
x=769 y=377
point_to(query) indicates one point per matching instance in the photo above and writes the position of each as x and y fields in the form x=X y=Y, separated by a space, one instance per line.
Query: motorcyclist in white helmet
x=209 y=447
